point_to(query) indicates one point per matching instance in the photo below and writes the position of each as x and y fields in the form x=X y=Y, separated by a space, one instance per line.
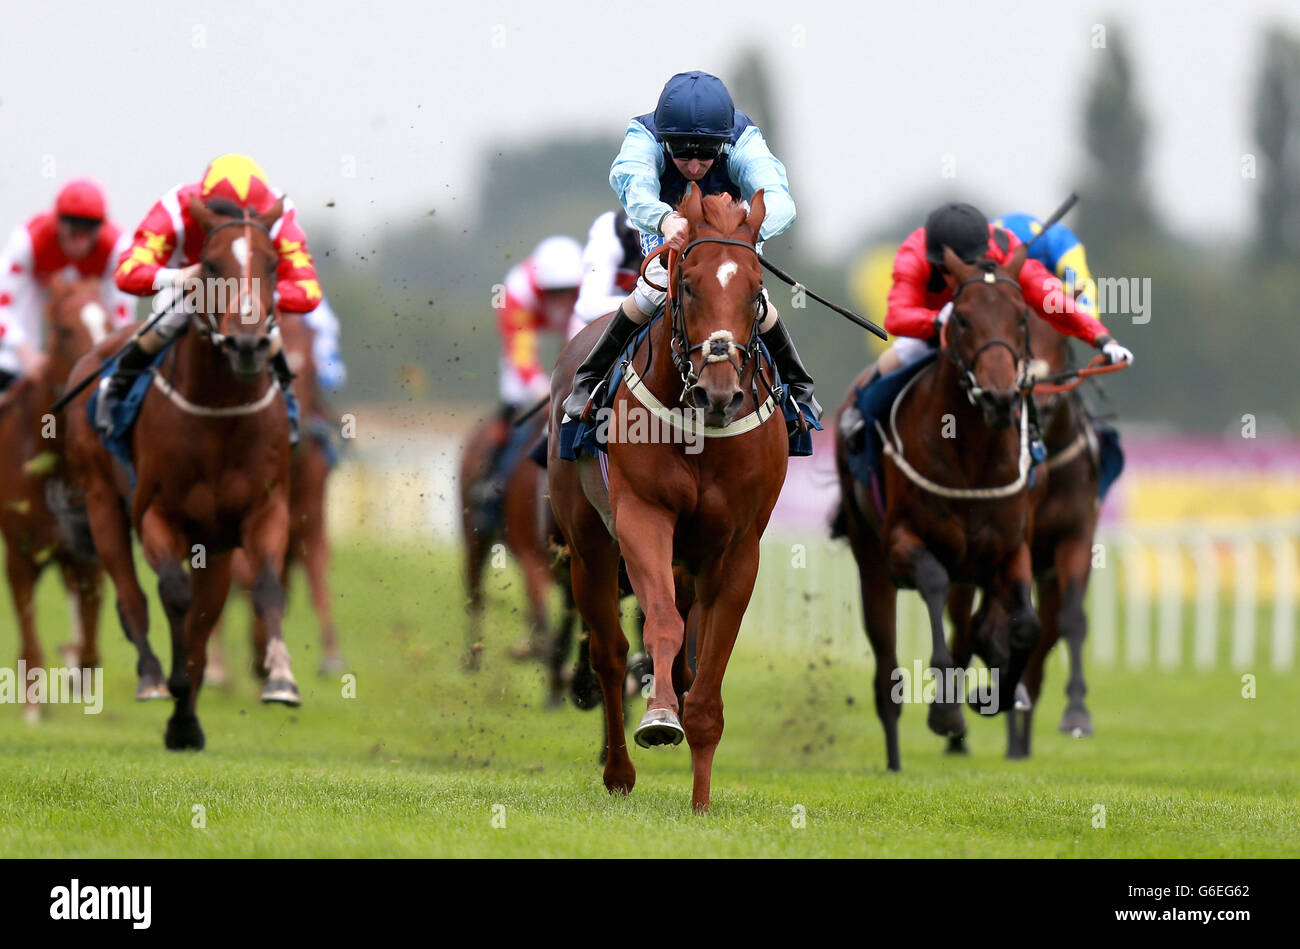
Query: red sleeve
x=1045 y=294
x=296 y=279
x=907 y=314
x=155 y=239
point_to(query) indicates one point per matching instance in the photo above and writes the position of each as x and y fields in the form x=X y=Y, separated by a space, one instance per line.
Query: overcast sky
x=405 y=94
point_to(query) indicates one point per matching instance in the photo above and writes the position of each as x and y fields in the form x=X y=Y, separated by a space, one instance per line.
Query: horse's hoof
x=659 y=726
x=525 y=651
x=183 y=734
x=585 y=690
x=32 y=714
x=1023 y=702
x=1076 y=722
x=1017 y=753
x=151 y=691
x=332 y=666
x=215 y=678
x=282 y=691
x=620 y=782
x=946 y=721
x=471 y=661
x=957 y=745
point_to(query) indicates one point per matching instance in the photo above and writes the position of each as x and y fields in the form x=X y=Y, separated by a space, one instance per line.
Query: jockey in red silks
x=539 y=296
x=75 y=240
x=920 y=301
x=165 y=253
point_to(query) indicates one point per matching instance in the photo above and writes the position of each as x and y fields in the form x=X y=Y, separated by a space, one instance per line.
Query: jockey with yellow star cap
x=166 y=253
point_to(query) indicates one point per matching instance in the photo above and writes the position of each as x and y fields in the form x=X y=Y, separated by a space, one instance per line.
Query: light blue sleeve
x=634 y=176
x=753 y=166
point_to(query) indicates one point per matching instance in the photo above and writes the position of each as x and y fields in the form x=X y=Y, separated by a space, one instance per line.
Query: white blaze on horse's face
x=239 y=247
x=727 y=271
x=95 y=318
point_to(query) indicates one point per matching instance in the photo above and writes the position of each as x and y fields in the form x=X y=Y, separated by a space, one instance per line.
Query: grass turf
x=427 y=760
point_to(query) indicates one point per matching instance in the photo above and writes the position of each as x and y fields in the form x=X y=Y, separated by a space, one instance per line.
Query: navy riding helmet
x=695 y=105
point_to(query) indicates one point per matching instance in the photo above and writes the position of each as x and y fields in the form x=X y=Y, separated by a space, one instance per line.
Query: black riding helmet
x=962 y=227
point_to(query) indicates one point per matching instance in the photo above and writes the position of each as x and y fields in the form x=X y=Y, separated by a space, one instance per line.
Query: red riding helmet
x=82 y=198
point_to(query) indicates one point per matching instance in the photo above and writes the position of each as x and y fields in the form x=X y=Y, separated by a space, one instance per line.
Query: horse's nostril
x=736 y=401
x=698 y=397
x=264 y=343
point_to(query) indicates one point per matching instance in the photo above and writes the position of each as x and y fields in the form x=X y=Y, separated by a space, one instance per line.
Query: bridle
x=718 y=346
x=970 y=385
x=211 y=329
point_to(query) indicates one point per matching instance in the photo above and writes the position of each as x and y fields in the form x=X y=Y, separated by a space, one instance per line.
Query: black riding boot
x=130 y=364
x=284 y=376
x=616 y=336
x=793 y=374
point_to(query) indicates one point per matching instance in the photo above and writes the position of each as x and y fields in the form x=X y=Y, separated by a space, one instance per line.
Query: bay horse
x=959 y=508
x=705 y=510
x=33 y=476
x=1065 y=522
x=309 y=470
x=524 y=532
x=211 y=455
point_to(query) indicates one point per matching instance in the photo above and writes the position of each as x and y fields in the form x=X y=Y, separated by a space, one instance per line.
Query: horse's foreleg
x=22 y=575
x=209 y=588
x=266 y=540
x=1024 y=627
x=1073 y=564
x=646 y=540
x=85 y=582
x=112 y=535
x=1020 y=719
x=165 y=549
x=724 y=589
x=931 y=579
x=315 y=563
x=595 y=588
x=960 y=601
x=476 y=551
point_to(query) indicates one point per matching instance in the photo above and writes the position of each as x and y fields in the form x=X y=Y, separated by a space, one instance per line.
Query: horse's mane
x=722 y=213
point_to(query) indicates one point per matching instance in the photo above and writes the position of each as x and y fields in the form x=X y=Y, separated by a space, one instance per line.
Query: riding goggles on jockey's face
x=685 y=149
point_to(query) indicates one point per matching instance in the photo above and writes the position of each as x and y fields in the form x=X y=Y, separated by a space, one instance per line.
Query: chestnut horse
x=705 y=510
x=33 y=468
x=958 y=505
x=211 y=455
x=1065 y=521
x=309 y=470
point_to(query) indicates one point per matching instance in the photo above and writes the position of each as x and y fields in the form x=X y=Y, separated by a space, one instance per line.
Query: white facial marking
x=95 y=318
x=727 y=271
x=239 y=247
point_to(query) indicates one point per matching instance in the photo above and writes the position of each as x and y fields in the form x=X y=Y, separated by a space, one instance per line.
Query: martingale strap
x=746 y=423
x=185 y=405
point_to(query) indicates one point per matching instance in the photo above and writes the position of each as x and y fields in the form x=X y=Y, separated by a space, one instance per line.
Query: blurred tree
x=751 y=90
x=1277 y=132
x=1114 y=209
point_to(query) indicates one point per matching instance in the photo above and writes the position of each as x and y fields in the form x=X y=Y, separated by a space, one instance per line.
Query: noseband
x=211 y=330
x=719 y=346
x=974 y=391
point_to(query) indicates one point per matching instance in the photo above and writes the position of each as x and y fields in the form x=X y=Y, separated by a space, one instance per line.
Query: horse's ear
x=957 y=269
x=1012 y=266
x=692 y=207
x=757 y=212
x=202 y=214
x=271 y=214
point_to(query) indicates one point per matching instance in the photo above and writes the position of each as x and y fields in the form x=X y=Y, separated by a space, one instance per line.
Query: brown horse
x=958 y=506
x=705 y=510
x=34 y=469
x=211 y=454
x=524 y=532
x=309 y=470
x=1065 y=521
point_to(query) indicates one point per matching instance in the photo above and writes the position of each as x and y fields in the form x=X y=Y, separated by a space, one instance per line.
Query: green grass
x=420 y=761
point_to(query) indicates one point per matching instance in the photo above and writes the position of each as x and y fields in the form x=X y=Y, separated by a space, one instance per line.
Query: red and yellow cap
x=239 y=179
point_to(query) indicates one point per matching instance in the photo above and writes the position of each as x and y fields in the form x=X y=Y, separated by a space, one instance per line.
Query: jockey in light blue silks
x=694 y=134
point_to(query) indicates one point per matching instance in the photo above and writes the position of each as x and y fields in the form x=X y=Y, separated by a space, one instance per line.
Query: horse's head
x=76 y=320
x=987 y=333
x=718 y=298
x=238 y=265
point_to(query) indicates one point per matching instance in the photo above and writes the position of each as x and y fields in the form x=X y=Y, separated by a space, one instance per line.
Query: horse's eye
x=686 y=289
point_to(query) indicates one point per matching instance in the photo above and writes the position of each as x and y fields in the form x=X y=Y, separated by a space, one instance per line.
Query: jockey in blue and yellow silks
x=1060 y=251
